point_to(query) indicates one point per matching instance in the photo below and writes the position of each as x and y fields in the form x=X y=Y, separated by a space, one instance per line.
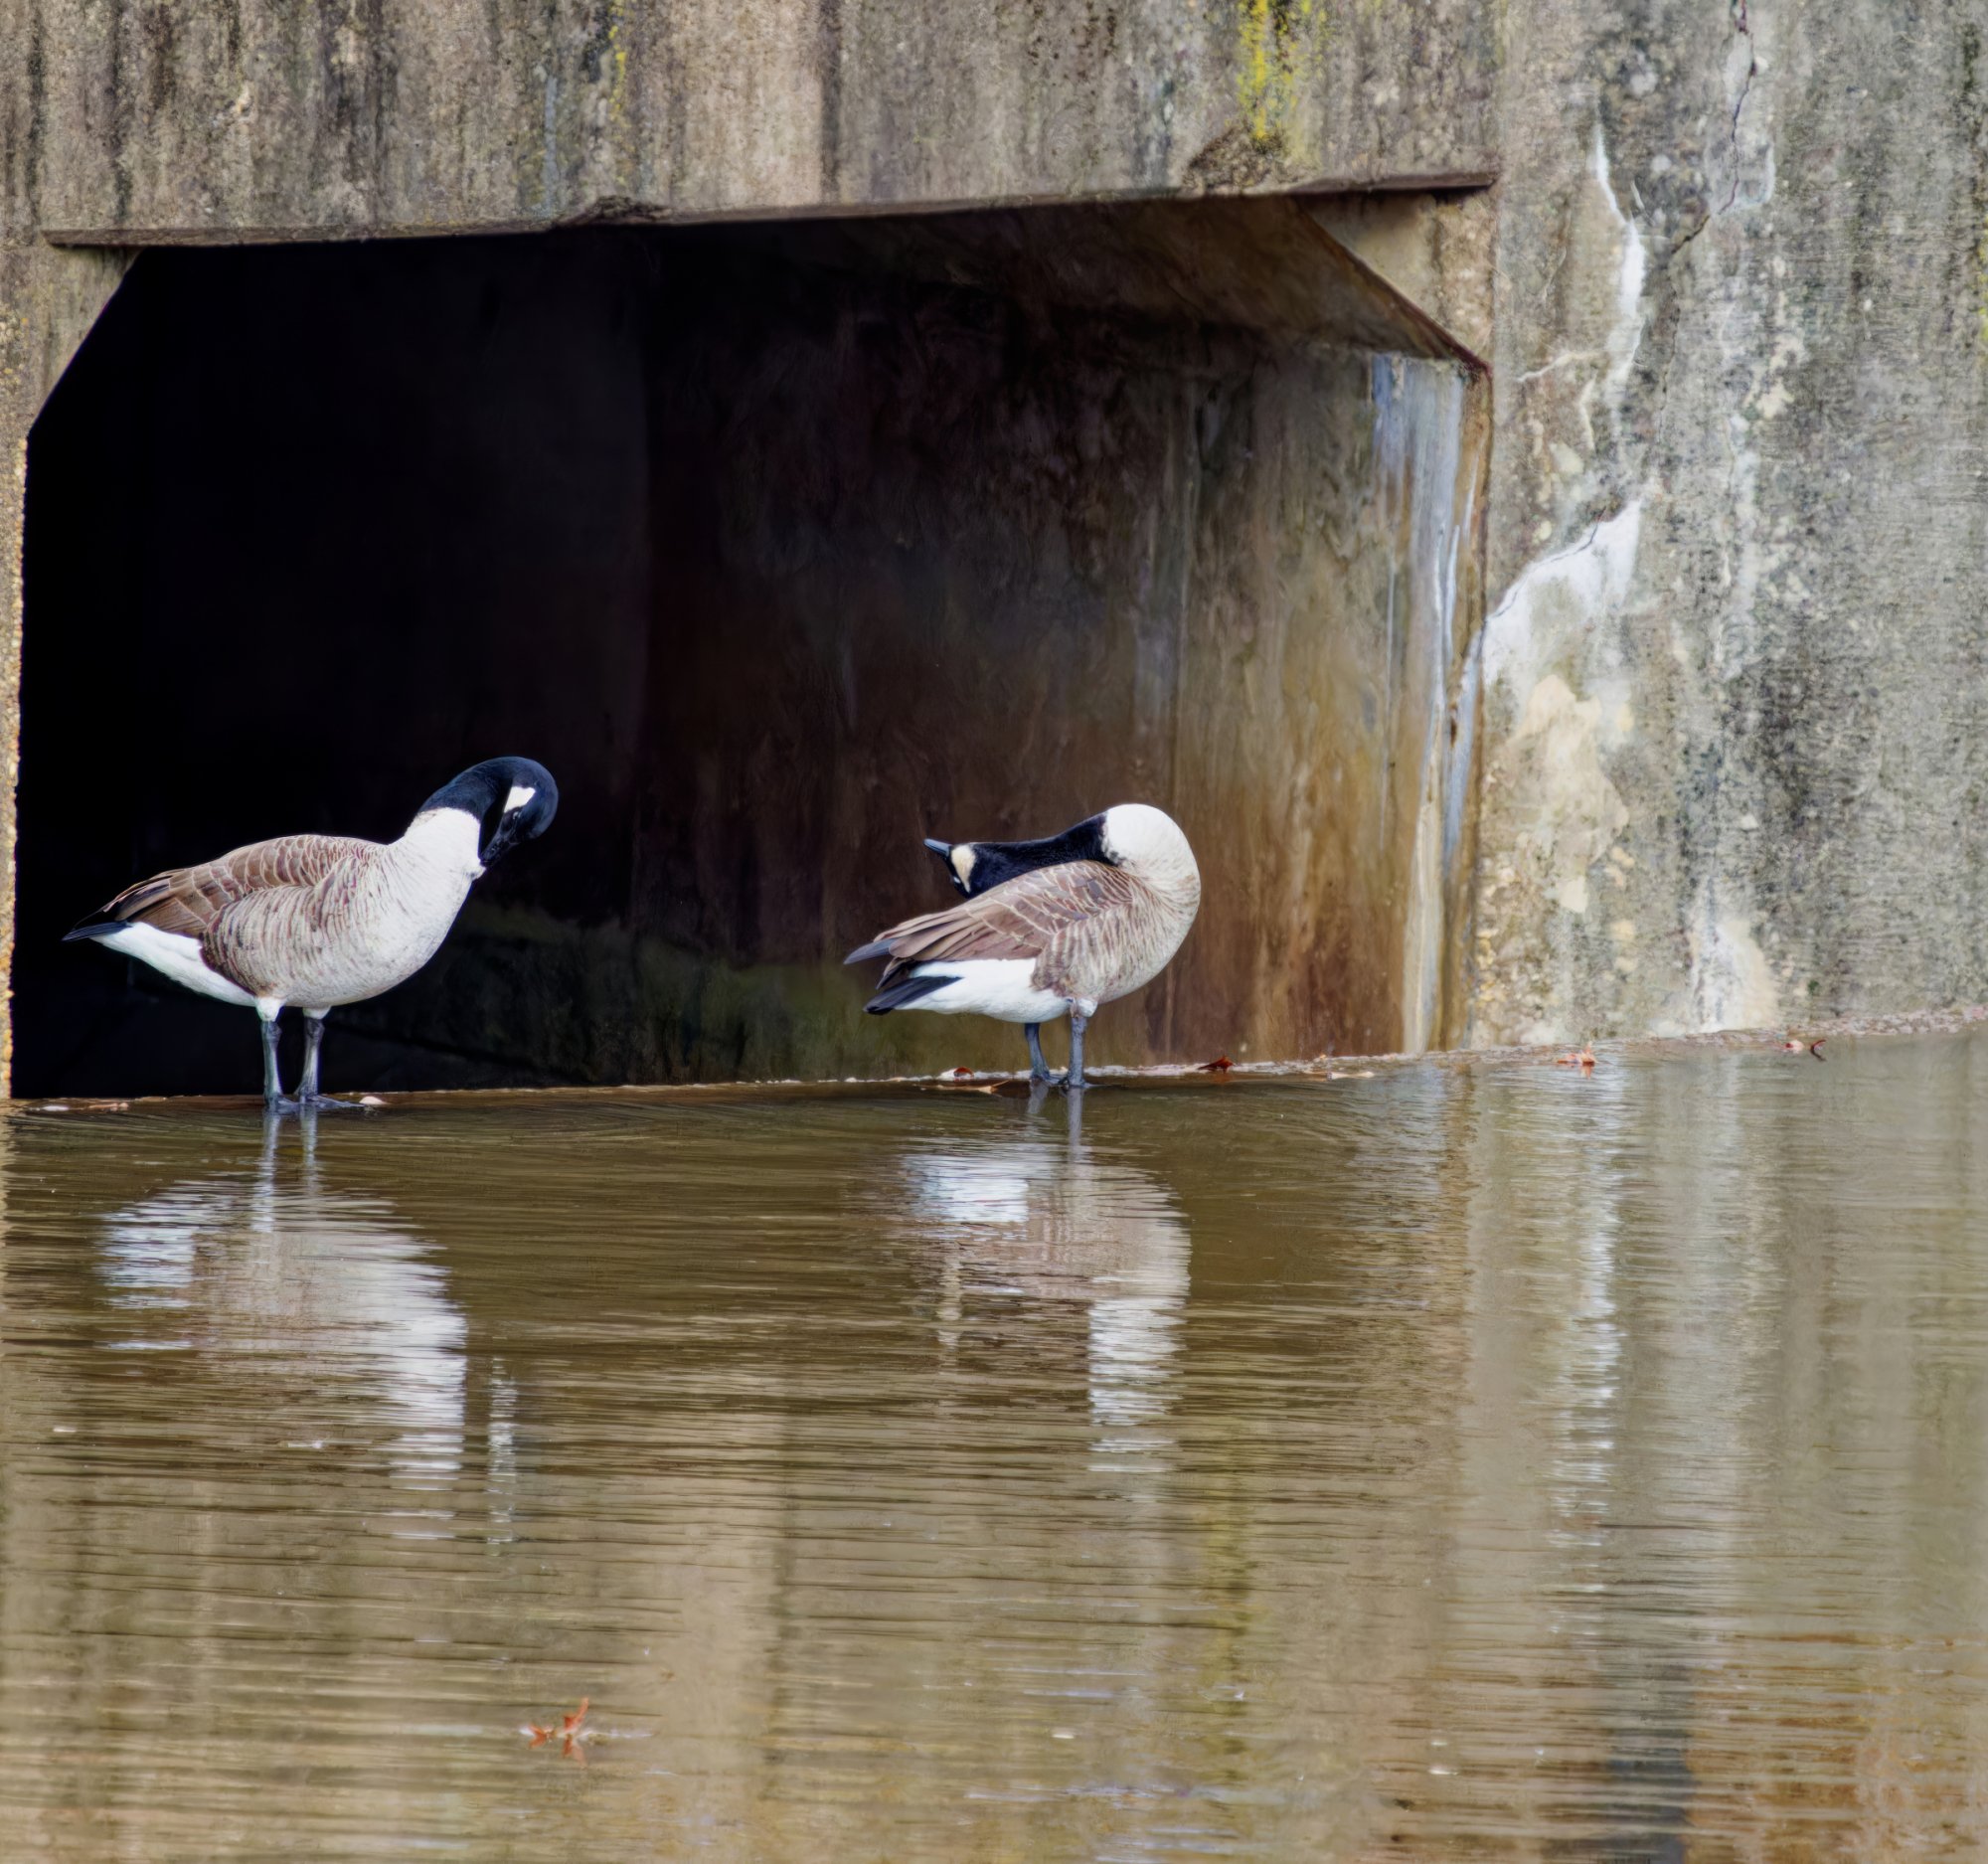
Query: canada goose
x=1073 y=922
x=323 y=919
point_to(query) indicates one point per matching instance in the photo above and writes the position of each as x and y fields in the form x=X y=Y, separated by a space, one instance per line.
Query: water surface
x=1459 y=1462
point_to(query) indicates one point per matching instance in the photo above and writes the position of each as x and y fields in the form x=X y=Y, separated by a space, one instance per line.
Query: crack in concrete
x=1745 y=29
x=1746 y=90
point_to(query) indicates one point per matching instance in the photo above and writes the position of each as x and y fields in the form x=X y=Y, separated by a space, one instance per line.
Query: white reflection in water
x=318 y=1290
x=1048 y=1219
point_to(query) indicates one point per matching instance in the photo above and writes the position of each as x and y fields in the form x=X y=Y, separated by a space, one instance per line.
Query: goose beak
x=506 y=834
x=951 y=852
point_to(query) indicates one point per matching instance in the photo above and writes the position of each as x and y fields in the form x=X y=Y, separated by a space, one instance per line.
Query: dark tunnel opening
x=783 y=547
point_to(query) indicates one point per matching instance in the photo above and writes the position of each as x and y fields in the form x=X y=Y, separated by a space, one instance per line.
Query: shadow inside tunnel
x=783 y=547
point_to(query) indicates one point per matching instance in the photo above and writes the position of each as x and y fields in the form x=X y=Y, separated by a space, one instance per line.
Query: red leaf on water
x=1220 y=1066
x=570 y=1732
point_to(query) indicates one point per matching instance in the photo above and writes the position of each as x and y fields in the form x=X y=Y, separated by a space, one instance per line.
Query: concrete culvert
x=784 y=546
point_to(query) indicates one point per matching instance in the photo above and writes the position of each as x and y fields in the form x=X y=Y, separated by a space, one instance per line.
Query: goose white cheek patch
x=520 y=796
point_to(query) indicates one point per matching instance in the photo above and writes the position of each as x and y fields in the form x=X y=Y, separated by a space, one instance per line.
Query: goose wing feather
x=1031 y=915
x=223 y=902
x=189 y=900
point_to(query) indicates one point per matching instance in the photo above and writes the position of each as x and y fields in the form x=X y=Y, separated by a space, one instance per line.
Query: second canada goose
x=1076 y=921
x=318 y=920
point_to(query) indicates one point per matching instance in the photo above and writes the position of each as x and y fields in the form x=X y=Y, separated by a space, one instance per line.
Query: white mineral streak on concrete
x=1559 y=714
x=1418 y=441
x=1563 y=813
x=1553 y=598
x=1731 y=983
x=1419 y=411
x=1626 y=333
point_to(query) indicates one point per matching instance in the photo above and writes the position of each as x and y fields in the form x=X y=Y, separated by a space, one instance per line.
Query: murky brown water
x=1447 y=1465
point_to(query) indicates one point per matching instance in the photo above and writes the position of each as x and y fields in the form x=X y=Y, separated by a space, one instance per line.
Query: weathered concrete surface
x=1434 y=249
x=1734 y=668
x=191 y=121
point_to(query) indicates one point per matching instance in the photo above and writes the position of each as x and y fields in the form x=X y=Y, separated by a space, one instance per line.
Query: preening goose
x=318 y=920
x=1074 y=921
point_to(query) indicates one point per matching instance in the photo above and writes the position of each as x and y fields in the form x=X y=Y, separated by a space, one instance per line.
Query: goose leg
x=273 y=1077
x=314 y=1041
x=308 y=1090
x=1074 y=1082
x=1039 y=1070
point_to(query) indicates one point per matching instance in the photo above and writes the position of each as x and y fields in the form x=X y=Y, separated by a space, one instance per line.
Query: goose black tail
x=94 y=928
x=906 y=991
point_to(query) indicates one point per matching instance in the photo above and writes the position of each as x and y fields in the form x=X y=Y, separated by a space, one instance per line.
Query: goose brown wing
x=196 y=901
x=1020 y=918
x=189 y=900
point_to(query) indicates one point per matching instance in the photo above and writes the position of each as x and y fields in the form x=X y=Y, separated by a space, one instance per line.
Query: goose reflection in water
x=316 y=1295
x=1046 y=1219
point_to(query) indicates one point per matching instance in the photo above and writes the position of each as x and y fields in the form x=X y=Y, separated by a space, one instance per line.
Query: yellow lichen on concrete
x=1981 y=290
x=1280 y=42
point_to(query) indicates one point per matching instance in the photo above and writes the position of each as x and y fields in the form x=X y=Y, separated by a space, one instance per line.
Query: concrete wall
x=1735 y=504
x=1739 y=520
x=207 y=121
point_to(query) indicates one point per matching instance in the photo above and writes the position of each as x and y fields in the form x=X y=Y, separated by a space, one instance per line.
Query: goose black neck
x=996 y=860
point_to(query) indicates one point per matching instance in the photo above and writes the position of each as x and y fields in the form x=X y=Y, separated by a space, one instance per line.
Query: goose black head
x=975 y=866
x=514 y=798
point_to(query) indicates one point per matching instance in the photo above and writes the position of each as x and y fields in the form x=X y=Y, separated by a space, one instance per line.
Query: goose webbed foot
x=1039 y=1070
x=309 y=1098
x=307 y=1109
